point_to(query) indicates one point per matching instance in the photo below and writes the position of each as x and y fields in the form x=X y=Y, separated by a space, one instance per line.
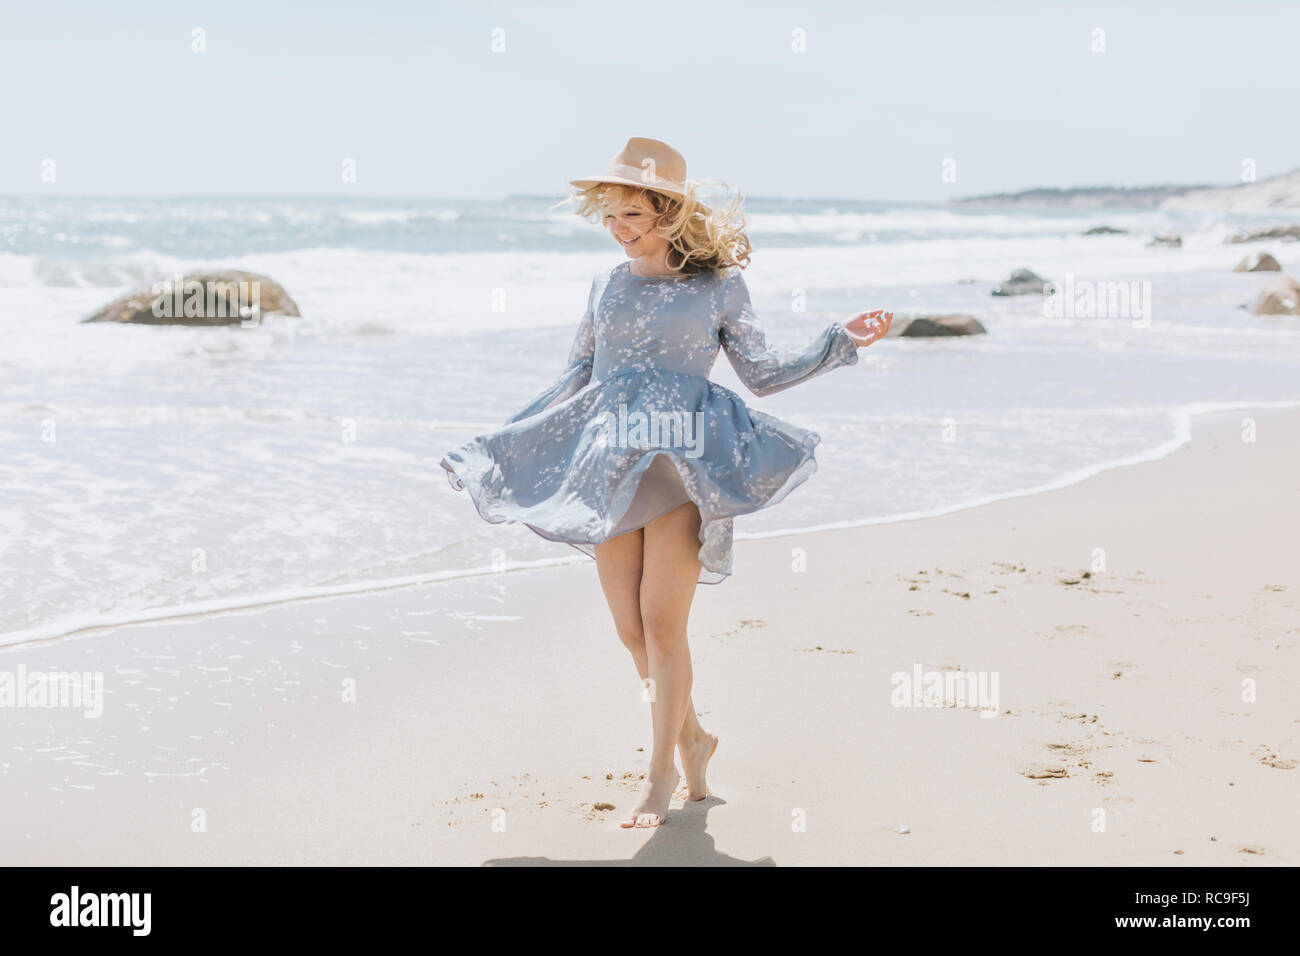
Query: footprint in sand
x=1045 y=773
x=748 y=624
x=593 y=812
x=1074 y=749
x=1075 y=754
x=1264 y=754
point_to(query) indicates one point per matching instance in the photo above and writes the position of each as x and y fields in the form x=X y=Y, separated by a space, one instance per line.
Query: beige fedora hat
x=647 y=163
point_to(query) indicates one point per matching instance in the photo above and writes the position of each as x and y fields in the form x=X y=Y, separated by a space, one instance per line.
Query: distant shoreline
x=1279 y=194
x=1087 y=197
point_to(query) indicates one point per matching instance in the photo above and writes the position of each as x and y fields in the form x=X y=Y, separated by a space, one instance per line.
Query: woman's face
x=632 y=226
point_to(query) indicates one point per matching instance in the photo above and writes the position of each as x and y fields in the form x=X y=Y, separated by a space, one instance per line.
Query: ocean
x=149 y=472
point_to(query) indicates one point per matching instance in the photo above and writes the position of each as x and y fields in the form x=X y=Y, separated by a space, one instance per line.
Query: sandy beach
x=1140 y=630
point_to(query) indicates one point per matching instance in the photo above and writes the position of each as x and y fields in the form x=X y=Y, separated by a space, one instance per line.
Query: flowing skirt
x=629 y=448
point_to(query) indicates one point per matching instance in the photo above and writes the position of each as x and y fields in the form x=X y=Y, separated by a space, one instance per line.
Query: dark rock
x=931 y=326
x=1022 y=282
x=1169 y=239
x=1258 y=262
x=1105 y=231
x=207 y=298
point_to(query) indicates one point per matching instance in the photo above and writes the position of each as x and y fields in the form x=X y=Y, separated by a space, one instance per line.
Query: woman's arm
x=577 y=372
x=762 y=369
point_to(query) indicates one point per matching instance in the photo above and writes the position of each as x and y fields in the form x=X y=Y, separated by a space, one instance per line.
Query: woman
x=587 y=462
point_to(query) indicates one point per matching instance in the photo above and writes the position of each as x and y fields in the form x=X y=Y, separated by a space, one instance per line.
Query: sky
x=866 y=100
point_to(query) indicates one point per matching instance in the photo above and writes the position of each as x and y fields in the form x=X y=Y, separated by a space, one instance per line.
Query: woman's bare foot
x=651 y=808
x=695 y=760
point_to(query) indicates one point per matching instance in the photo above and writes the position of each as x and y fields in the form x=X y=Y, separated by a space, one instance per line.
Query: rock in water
x=1280 y=297
x=931 y=326
x=1105 y=231
x=1022 y=282
x=208 y=298
x=1286 y=233
x=1258 y=262
x=1170 y=239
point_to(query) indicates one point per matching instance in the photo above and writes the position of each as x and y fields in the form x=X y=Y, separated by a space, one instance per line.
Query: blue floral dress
x=633 y=428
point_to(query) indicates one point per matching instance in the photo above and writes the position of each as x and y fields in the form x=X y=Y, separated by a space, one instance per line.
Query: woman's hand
x=866 y=327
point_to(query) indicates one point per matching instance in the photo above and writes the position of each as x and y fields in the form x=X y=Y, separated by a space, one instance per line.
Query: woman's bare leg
x=619 y=563
x=670 y=568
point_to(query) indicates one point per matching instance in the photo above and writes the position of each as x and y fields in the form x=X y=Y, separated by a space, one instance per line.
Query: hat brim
x=623 y=181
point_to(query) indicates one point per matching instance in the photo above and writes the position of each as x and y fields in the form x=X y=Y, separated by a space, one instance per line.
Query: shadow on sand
x=681 y=841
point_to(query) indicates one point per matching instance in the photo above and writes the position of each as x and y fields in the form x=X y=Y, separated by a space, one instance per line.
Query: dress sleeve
x=762 y=369
x=577 y=372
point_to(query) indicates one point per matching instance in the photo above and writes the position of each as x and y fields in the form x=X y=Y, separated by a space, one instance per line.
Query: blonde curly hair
x=699 y=237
